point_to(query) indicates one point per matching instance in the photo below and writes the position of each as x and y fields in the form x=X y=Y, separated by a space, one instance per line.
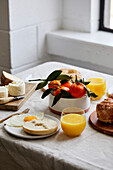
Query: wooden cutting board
x=100 y=126
x=15 y=105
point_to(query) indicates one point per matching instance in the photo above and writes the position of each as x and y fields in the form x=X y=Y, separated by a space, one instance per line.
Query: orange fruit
x=54 y=84
x=77 y=90
x=57 y=91
x=67 y=84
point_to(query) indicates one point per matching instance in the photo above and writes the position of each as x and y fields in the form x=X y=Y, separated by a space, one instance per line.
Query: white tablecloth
x=91 y=150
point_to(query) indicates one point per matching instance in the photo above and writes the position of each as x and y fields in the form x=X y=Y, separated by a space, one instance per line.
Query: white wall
x=80 y=43
x=24 y=25
x=4 y=36
x=23 y=28
x=81 y=15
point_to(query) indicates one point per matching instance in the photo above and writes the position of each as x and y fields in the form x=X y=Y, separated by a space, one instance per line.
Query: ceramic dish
x=19 y=132
x=83 y=103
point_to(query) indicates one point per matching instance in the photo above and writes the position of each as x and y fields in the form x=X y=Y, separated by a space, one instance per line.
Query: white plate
x=19 y=132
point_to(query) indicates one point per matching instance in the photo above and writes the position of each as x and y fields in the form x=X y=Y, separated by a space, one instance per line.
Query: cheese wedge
x=3 y=92
x=40 y=127
x=7 y=78
x=16 y=88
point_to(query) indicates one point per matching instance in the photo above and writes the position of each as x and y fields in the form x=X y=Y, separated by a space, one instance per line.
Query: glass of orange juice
x=98 y=86
x=73 y=121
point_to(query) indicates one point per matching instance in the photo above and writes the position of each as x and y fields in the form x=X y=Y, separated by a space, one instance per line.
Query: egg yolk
x=29 y=118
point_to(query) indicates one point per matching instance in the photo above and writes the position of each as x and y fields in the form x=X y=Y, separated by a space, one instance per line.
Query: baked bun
x=40 y=127
x=7 y=78
x=105 y=110
x=72 y=73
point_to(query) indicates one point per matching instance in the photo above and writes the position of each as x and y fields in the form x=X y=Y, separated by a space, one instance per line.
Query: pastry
x=40 y=127
x=72 y=73
x=105 y=110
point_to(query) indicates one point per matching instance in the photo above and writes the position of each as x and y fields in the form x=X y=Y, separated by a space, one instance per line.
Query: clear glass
x=97 y=85
x=73 y=121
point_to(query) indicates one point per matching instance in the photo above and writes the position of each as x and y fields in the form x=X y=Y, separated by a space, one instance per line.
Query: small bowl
x=83 y=103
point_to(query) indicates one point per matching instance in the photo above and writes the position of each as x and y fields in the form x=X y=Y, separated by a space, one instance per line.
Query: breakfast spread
x=66 y=84
x=105 y=111
x=40 y=127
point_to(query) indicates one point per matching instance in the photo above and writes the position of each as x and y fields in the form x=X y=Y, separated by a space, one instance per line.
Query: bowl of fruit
x=65 y=90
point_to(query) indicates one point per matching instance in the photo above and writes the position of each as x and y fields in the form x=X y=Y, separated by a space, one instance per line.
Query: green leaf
x=81 y=81
x=63 y=77
x=41 y=85
x=54 y=75
x=90 y=93
x=86 y=82
x=63 y=81
x=38 y=80
x=56 y=98
x=65 y=94
x=76 y=80
x=47 y=92
x=87 y=91
x=93 y=94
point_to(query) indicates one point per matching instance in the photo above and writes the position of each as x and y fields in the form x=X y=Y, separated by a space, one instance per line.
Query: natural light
x=111 y=15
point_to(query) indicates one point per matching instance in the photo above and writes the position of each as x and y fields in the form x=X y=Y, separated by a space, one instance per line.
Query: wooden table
x=91 y=150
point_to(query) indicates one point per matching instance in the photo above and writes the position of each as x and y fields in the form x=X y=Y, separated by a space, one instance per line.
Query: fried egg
x=19 y=120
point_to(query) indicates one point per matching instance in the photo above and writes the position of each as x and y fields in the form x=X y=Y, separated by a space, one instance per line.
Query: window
x=106 y=15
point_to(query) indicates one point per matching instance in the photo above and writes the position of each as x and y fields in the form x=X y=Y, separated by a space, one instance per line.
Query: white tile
x=4 y=15
x=23 y=47
x=30 y=12
x=4 y=49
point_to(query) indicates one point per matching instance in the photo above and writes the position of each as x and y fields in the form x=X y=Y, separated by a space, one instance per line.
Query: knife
x=9 y=99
